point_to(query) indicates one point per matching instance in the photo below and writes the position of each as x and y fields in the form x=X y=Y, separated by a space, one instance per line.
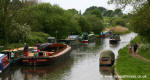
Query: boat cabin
x=51 y=40
x=107 y=58
x=114 y=38
x=46 y=50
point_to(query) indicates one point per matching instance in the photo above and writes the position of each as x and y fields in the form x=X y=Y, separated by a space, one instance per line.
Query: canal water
x=82 y=64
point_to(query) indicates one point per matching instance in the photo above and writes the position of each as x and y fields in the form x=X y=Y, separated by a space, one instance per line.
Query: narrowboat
x=46 y=54
x=13 y=55
x=73 y=39
x=85 y=41
x=92 y=37
x=107 y=58
x=104 y=34
x=50 y=40
x=4 y=62
x=85 y=38
x=115 y=38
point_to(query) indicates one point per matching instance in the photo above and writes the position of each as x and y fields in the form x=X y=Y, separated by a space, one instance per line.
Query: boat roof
x=73 y=36
x=91 y=34
x=1 y=55
x=51 y=37
x=107 y=53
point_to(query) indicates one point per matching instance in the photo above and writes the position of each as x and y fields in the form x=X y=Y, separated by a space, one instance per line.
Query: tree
x=49 y=19
x=119 y=21
x=102 y=10
x=72 y=11
x=89 y=9
x=97 y=13
x=109 y=13
x=83 y=23
x=96 y=23
x=140 y=22
x=117 y=12
x=18 y=32
x=8 y=9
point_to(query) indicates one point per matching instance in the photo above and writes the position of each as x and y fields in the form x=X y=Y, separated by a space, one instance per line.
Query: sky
x=84 y=4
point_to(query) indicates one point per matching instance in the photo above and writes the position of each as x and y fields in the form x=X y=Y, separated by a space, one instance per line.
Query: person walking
x=135 y=47
x=130 y=48
x=26 y=49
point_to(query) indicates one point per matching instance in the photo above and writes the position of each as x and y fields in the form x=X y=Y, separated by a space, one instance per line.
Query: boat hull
x=85 y=41
x=39 y=61
x=113 y=41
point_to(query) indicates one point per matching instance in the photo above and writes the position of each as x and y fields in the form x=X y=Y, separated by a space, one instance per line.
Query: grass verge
x=128 y=66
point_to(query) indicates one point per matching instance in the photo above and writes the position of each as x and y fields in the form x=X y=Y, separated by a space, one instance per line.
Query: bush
x=118 y=21
x=37 y=37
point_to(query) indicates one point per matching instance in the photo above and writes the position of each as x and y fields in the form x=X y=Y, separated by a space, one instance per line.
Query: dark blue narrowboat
x=4 y=62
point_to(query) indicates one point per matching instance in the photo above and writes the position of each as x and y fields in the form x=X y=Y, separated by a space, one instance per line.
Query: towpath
x=139 y=57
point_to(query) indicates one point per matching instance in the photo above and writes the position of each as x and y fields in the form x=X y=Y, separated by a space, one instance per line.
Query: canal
x=83 y=64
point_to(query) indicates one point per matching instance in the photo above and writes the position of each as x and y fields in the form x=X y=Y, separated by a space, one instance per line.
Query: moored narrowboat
x=13 y=55
x=115 y=38
x=73 y=39
x=47 y=54
x=4 y=62
x=104 y=34
x=85 y=38
x=92 y=37
x=85 y=41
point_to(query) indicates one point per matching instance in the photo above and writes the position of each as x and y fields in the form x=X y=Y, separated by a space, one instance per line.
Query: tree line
x=139 y=18
x=105 y=12
x=20 y=22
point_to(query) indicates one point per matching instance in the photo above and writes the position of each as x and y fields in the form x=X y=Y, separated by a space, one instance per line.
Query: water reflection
x=82 y=64
x=106 y=70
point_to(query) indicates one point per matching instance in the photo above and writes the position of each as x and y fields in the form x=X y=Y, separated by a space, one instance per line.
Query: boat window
x=105 y=58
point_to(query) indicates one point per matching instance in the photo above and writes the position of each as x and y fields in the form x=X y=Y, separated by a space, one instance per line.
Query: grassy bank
x=128 y=65
x=34 y=38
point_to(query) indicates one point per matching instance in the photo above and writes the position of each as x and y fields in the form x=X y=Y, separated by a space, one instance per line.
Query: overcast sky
x=83 y=4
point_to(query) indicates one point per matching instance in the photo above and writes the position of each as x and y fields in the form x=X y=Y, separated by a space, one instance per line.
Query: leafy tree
x=49 y=19
x=109 y=13
x=89 y=10
x=18 y=32
x=140 y=22
x=104 y=11
x=83 y=23
x=97 y=13
x=119 y=21
x=72 y=11
x=8 y=10
x=96 y=23
x=117 y=12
